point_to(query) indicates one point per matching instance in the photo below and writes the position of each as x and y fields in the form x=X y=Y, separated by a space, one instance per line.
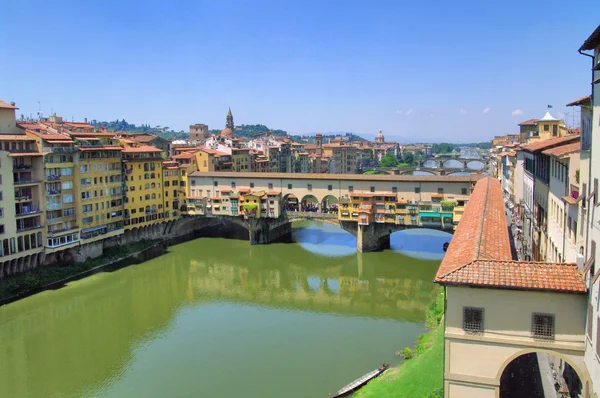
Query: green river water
x=220 y=318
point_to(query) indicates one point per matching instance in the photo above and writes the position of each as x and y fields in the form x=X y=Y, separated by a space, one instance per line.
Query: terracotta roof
x=6 y=105
x=49 y=136
x=581 y=101
x=143 y=137
x=530 y=122
x=482 y=231
x=183 y=155
x=15 y=137
x=524 y=275
x=274 y=193
x=437 y=195
x=61 y=142
x=347 y=177
x=550 y=143
x=479 y=253
x=141 y=148
x=592 y=42
x=101 y=148
x=563 y=150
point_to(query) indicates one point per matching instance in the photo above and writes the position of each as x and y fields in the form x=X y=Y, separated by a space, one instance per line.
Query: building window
x=417 y=189
x=289 y=186
x=270 y=186
x=215 y=183
x=330 y=187
x=309 y=187
x=463 y=191
x=473 y=320
x=542 y=326
x=372 y=189
x=555 y=130
x=546 y=127
x=251 y=185
x=394 y=189
x=598 y=338
x=350 y=188
x=232 y=184
x=441 y=191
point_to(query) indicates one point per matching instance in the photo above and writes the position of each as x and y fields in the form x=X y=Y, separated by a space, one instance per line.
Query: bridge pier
x=262 y=231
x=373 y=237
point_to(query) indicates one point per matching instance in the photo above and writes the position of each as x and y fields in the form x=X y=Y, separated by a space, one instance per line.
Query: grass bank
x=421 y=376
x=44 y=275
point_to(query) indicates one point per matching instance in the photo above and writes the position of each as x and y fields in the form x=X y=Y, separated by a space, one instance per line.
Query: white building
x=562 y=203
x=527 y=215
x=592 y=215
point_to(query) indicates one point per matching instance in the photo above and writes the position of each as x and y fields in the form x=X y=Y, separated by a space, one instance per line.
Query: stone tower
x=198 y=132
x=319 y=143
x=229 y=124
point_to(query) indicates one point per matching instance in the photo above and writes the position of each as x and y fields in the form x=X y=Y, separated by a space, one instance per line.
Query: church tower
x=229 y=124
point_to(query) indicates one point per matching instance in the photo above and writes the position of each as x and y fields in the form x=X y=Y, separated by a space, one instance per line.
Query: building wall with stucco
x=474 y=362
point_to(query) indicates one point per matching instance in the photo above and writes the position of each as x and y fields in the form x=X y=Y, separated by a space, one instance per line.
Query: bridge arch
x=514 y=364
x=452 y=164
x=329 y=204
x=475 y=165
x=290 y=202
x=309 y=202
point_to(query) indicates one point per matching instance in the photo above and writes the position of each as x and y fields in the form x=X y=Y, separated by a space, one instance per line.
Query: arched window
x=153 y=185
x=152 y=175
x=146 y=167
x=147 y=197
x=146 y=176
x=147 y=186
x=153 y=196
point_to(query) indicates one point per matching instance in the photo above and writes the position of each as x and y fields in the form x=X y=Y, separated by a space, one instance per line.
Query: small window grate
x=473 y=320
x=542 y=326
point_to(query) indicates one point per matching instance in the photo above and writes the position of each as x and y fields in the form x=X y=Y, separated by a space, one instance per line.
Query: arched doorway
x=309 y=203
x=540 y=374
x=290 y=202
x=329 y=204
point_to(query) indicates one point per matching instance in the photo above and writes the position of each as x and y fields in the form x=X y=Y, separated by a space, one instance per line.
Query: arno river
x=220 y=318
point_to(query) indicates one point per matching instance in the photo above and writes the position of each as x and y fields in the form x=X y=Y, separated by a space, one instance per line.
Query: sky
x=421 y=71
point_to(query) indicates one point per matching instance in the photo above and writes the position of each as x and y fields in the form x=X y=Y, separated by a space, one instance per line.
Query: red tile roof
x=479 y=254
x=563 y=150
x=101 y=148
x=581 y=101
x=550 y=143
x=141 y=148
x=519 y=275
x=183 y=155
x=591 y=42
x=18 y=154
x=15 y=137
x=570 y=200
x=5 y=105
x=530 y=122
x=143 y=137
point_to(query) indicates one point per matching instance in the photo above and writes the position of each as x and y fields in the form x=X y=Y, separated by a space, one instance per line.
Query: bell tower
x=229 y=124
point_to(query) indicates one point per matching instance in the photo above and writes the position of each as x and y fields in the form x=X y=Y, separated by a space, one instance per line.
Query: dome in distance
x=227 y=132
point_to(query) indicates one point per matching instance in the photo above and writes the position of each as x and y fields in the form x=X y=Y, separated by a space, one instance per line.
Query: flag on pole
x=549 y=106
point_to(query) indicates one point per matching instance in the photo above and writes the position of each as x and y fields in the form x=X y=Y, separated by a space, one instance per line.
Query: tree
x=409 y=158
x=389 y=160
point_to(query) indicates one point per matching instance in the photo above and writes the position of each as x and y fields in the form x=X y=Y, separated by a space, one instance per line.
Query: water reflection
x=420 y=243
x=475 y=165
x=271 y=316
x=324 y=239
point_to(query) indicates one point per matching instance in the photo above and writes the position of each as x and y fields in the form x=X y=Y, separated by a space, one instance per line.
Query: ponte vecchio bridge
x=371 y=207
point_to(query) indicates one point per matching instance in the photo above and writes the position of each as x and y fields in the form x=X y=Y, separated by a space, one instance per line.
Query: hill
x=250 y=130
x=122 y=125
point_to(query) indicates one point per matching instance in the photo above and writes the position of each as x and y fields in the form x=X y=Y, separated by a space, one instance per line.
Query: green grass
x=420 y=376
x=371 y=172
x=44 y=275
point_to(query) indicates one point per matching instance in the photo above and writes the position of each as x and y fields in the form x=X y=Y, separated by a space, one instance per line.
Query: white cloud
x=486 y=110
x=463 y=111
x=409 y=112
x=430 y=116
x=399 y=112
x=517 y=112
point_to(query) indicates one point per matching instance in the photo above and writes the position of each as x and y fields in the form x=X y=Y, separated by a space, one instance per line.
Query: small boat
x=358 y=383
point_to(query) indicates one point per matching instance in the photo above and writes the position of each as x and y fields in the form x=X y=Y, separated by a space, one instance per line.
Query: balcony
x=22 y=167
x=29 y=212
x=51 y=192
x=60 y=149
x=53 y=177
x=62 y=230
x=28 y=228
x=53 y=206
x=25 y=181
x=21 y=197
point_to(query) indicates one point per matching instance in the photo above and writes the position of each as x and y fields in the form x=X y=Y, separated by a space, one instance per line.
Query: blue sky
x=420 y=71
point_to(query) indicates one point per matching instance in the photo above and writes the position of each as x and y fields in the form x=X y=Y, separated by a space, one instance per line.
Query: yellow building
x=241 y=159
x=98 y=184
x=22 y=219
x=342 y=158
x=144 y=200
